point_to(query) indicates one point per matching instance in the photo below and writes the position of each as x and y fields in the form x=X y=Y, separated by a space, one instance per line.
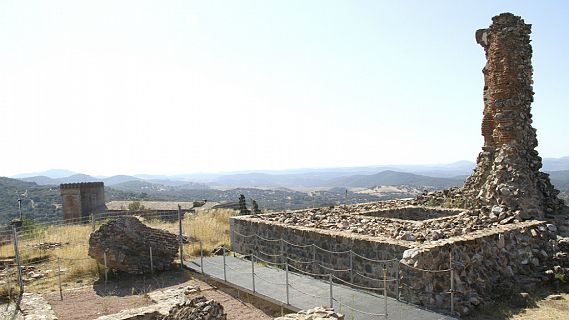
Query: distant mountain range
x=421 y=176
x=111 y=181
x=272 y=190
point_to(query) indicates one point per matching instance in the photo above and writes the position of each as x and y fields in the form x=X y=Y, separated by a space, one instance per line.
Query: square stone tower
x=82 y=199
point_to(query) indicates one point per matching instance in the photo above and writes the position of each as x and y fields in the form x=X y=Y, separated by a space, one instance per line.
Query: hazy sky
x=109 y=87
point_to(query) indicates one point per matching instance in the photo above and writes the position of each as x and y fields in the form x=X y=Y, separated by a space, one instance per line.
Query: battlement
x=81 y=185
x=82 y=199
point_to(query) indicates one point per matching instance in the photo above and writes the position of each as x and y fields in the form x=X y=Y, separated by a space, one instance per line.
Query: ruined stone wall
x=506 y=257
x=82 y=199
x=370 y=247
x=507 y=171
x=483 y=260
x=127 y=242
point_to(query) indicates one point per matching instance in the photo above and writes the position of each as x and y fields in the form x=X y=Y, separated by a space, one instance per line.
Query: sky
x=170 y=87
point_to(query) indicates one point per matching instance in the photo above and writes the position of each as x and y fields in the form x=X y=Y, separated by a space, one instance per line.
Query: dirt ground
x=127 y=293
x=93 y=301
x=539 y=306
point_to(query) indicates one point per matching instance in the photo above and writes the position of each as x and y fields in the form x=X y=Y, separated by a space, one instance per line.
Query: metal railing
x=289 y=264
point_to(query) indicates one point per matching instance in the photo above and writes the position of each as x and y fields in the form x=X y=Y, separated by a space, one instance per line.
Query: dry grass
x=546 y=310
x=209 y=226
x=537 y=307
x=212 y=229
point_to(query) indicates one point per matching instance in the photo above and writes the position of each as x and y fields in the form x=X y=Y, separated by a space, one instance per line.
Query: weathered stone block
x=127 y=242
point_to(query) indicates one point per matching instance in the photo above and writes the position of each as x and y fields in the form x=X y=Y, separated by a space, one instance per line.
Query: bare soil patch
x=131 y=292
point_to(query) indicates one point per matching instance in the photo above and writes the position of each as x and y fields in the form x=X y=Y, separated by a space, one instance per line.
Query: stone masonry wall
x=82 y=199
x=370 y=247
x=126 y=242
x=505 y=257
x=507 y=170
x=482 y=260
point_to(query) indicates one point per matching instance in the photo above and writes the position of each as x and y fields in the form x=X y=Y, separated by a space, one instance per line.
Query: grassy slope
x=209 y=226
x=41 y=204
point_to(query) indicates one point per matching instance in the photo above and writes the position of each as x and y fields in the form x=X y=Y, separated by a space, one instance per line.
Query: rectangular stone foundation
x=414 y=213
x=481 y=260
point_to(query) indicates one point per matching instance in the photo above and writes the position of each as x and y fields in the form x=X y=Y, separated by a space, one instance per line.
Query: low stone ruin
x=313 y=314
x=127 y=242
x=198 y=308
x=505 y=231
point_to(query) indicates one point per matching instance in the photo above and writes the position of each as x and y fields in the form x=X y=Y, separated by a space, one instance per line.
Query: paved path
x=308 y=292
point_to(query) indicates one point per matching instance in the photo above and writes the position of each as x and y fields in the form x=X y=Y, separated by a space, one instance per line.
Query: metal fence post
x=397 y=279
x=253 y=271
x=282 y=248
x=385 y=288
x=351 y=266
x=106 y=270
x=331 y=293
x=451 y=283
x=313 y=257
x=93 y=225
x=9 y=288
x=201 y=256
x=17 y=256
x=286 y=281
x=151 y=261
x=180 y=235
x=224 y=267
x=59 y=279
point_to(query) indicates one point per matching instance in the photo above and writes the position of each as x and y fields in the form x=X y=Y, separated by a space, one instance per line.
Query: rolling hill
x=42 y=203
x=394 y=178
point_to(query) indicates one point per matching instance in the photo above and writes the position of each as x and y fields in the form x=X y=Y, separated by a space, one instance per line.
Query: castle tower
x=507 y=170
x=82 y=199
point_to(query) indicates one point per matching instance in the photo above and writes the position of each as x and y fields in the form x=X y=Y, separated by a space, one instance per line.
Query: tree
x=243 y=205
x=135 y=206
x=256 y=209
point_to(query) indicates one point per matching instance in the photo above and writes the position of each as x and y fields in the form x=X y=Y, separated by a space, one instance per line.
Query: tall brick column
x=507 y=170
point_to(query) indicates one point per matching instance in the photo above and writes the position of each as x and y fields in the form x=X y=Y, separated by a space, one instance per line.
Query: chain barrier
x=284 y=248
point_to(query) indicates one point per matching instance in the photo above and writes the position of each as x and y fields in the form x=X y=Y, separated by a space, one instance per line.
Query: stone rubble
x=35 y=307
x=127 y=243
x=559 y=273
x=197 y=308
x=418 y=231
x=46 y=245
x=164 y=301
x=317 y=313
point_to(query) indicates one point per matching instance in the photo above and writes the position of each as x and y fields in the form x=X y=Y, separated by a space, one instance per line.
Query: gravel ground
x=7 y=312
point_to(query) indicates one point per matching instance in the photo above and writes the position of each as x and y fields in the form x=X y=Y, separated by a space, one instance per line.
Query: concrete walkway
x=307 y=292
